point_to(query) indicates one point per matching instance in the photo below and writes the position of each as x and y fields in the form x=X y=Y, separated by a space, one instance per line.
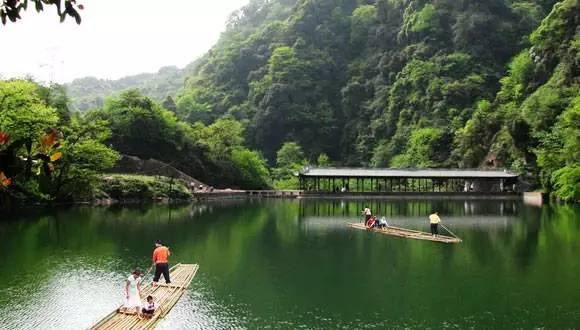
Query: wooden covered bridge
x=386 y=180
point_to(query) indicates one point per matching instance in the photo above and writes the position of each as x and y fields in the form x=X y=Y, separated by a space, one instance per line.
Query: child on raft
x=149 y=308
x=383 y=223
x=371 y=222
x=132 y=293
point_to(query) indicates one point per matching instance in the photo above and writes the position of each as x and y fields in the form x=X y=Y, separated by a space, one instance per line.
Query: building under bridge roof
x=405 y=180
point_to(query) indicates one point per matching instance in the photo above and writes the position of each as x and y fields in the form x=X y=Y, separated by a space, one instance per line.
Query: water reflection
x=352 y=208
x=294 y=263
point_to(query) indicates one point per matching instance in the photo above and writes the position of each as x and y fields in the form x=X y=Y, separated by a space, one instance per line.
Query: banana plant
x=48 y=152
x=43 y=158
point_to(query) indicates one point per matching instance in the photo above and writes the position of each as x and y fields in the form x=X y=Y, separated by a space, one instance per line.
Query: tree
x=169 y=104
x=424 y=150
x=289 y=155
x=10 y=9
x=25 y=118
x=141 y=127
x=61 y=157
x=222 y=137
x=558 y=149
x=472 y=141
x=214 y=154
x=253 y=168
x=567 y=183
x=290 y=159
x=362 y=20
x=425 y=20
x=84 y=157
x=323 y=160
x=290 y=105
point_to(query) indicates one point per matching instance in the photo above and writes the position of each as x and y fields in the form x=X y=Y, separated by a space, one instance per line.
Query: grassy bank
x=123 y=187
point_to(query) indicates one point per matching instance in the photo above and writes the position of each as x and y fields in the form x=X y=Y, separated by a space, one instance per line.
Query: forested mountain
x=366 y=75
x=399 y=83
x=90 y=92
x=403 y=83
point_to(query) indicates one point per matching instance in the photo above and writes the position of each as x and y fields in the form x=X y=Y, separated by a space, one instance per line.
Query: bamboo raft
x=164 y=295
x=408 y=233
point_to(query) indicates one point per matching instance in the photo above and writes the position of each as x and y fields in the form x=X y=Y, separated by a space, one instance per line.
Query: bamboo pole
x=450 y=232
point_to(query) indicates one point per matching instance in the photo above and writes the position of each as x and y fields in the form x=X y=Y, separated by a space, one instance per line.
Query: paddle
x=450 y=232
x=148 y=271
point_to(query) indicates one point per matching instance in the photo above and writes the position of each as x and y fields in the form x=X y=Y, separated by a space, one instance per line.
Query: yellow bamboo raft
x=407 y=233
x=164 y=295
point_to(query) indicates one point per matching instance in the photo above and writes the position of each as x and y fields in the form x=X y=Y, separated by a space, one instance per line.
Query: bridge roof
x=405 y=173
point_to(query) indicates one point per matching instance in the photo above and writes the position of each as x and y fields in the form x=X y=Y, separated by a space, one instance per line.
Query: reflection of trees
x=219 y=238
x=35 y=247
x=526 y=238
x=285 y=216
x=487 y=245
x=258 y=255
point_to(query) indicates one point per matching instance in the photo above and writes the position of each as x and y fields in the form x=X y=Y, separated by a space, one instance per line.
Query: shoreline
x=530 y=198
x=298 y=194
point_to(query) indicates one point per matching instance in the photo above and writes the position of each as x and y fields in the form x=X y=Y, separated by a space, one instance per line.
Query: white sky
x=116 y=38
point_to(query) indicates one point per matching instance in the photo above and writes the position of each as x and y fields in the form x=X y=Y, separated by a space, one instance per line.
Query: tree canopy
x=45 y=153
x=10 y=9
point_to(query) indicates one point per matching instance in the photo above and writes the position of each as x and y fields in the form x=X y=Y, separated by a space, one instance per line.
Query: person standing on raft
x=160 y=262
x=434 y=220
x=367 y=213
x=132 y=293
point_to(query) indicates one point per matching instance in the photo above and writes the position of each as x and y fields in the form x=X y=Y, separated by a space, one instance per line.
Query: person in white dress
x=133 y=293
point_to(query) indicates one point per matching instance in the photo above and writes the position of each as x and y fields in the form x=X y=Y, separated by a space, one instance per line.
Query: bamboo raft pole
x=408 y=233
x=164 y=295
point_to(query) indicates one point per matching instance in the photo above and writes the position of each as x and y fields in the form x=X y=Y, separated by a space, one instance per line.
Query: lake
x=291 y=264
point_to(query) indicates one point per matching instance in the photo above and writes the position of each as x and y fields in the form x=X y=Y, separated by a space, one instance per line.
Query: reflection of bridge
x=405 y=208
x=385 y=180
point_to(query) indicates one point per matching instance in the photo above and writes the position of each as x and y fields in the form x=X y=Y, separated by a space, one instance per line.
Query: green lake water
x=292 y=264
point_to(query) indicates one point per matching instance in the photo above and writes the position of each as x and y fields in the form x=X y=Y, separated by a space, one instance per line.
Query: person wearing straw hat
x=434 y=220
x=160 y=262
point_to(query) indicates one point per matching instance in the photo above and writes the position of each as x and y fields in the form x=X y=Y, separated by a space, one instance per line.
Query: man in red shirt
x=160 y=261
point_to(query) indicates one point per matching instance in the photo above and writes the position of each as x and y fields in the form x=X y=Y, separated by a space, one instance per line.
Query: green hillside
x=90 y=92
x=398 y=83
